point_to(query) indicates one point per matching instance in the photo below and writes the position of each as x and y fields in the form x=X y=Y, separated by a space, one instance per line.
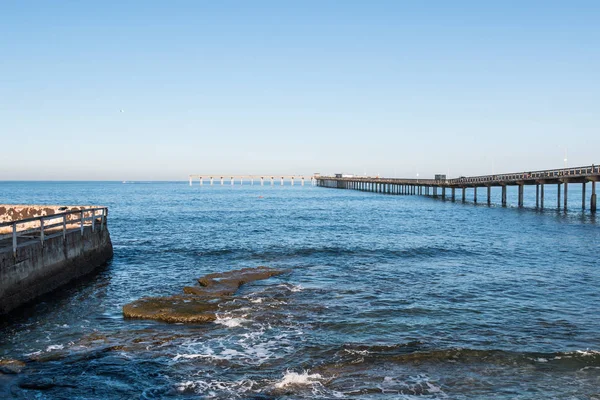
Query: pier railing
x=556 y=175
x=539 y=175
x=38 y=229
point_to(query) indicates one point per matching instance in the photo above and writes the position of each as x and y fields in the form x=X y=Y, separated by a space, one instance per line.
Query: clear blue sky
x=382 y=87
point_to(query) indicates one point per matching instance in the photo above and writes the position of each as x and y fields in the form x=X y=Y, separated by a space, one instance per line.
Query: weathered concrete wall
x=37 y=270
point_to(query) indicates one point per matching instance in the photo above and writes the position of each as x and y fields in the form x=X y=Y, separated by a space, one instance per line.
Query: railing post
x=64 y=226
x=102 y=219
x=81 y=223
x=93 y=220
x=14 y=238
x=42 y=231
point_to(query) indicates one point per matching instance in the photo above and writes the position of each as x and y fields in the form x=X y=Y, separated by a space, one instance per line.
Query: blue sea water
x=403 y=297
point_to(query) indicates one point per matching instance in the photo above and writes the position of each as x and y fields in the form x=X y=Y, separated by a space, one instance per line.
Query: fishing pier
x=444 y=188
x=259 y=179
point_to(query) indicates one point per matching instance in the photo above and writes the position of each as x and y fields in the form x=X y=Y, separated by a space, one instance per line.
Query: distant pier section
x=445 y=189
x=272 y=180
x=44 y=247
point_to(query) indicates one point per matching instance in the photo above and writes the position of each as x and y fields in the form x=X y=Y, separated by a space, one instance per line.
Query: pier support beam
x=542 y=196
x=537 y=195
x=566 y=195
x=593 y=198
x=489 y=195
x=521 y=187
x=444 y=193
x=475 y=195
x=503 y=195
x=558 y=196
x=464 y=194
x=453 y=194
x=583 y=196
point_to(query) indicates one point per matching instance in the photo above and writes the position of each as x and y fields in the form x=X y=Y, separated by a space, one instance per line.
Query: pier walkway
x=562 y=178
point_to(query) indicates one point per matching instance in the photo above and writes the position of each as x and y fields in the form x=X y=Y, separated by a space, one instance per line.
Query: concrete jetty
x=440 y=186
x=44 y=247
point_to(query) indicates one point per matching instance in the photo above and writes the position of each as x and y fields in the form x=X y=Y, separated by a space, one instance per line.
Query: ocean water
x=401 y=297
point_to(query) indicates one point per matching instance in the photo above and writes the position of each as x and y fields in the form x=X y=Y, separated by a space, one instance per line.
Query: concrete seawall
x=43 y=265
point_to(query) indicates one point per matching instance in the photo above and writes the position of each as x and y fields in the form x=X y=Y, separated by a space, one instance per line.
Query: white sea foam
x=190 y=356
x=296 y=288
x=212 y=389
x=358 y=352
x=248 y=348
x=294 y=378
x=588 y=353
x=433 y=388
x=292 y=287
x=580 y=353
x=55 y=347
x=230 y=321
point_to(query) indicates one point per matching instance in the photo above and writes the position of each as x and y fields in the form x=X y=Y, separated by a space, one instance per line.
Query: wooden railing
x=40 y=229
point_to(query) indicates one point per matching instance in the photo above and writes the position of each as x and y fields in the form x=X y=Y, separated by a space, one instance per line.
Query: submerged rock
x=10 y=366
x=198 y=303
x=37 y=383
x=172 y=309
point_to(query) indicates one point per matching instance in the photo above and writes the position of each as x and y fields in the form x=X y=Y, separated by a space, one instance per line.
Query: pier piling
x=593 y=198
x=521 y=190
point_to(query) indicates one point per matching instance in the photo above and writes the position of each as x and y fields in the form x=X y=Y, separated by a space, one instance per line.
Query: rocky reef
x=198 y=303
